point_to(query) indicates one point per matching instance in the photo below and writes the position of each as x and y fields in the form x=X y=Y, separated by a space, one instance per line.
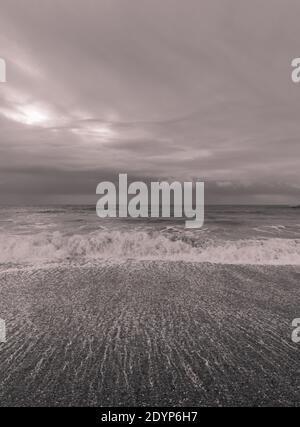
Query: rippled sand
x=150 y=333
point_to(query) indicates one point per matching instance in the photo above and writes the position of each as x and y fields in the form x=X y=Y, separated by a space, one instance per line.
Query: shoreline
x=150 y=333
x=9 y=268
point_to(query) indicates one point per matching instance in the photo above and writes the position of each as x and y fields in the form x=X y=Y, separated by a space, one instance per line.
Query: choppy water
x=231 y=234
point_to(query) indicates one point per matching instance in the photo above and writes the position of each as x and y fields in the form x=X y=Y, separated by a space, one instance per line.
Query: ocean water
x=91 y=321
x=231 y=235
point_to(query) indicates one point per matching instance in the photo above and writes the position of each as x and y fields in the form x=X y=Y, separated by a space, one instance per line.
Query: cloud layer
x=163 y=89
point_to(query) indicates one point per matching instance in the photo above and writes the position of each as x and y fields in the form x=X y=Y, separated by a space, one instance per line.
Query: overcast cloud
x=177 y=89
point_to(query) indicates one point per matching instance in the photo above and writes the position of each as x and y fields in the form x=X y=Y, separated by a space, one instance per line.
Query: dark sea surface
x=231 y=234
x=146 y=312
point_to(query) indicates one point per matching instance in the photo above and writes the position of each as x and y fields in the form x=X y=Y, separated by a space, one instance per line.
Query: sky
x=172 y=89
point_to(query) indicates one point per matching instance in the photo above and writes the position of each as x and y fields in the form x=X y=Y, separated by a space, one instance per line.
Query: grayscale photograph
x=149 y=206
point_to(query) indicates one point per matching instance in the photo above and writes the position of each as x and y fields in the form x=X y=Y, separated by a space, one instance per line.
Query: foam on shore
x=105 y=245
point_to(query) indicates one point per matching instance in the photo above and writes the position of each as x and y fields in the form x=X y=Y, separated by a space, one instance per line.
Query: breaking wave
x=117 y=245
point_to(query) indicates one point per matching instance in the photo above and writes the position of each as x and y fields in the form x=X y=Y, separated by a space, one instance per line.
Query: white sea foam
x=56 y=247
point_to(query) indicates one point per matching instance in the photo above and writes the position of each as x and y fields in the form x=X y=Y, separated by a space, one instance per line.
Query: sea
x=35 y=235
x=148 y=313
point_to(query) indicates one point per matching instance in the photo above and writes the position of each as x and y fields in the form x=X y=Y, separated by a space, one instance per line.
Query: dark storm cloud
x=166 y=89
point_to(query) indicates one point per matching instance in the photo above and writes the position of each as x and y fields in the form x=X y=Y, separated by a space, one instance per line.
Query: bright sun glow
x=32 y=115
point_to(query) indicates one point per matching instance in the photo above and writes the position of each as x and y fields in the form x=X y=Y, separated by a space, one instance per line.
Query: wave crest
x=56 y=247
